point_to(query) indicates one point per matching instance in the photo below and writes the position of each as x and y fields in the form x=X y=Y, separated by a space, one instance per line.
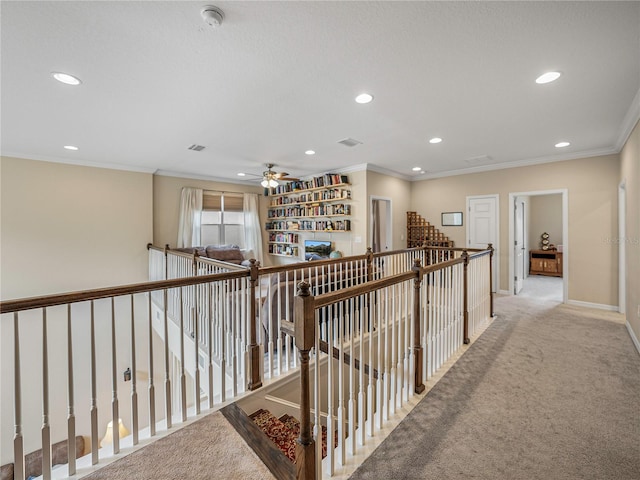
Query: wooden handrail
x=324 y=347
x=9 y=306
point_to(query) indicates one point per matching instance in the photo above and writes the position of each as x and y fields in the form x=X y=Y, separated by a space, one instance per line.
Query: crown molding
x=629 y=122
x=390 y=173
x=522 y=163
x=194 y=176
x=80 y=163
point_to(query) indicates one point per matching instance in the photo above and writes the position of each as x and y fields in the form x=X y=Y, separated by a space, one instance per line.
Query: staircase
x=420 y=232
x=284 y=432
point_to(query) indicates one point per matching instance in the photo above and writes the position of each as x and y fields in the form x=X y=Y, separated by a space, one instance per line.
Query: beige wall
x=545 y=215
x=592 y=191
x=88 y=225
x=399 y=191
x=67 y=228
x=630 y=173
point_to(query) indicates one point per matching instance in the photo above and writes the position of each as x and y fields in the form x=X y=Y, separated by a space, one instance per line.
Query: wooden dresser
x=545 y=262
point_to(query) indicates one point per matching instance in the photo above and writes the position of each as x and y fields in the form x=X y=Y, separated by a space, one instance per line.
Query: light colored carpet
x=209 y=448
x=549 y=392
x=542 y=288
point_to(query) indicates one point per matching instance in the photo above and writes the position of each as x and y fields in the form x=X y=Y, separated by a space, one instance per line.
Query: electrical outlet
x=638 y=311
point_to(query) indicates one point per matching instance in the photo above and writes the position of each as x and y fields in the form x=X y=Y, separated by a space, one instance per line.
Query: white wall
x=66 y=228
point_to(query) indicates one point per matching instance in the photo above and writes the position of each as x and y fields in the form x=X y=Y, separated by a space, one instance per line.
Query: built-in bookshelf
x=317 y=205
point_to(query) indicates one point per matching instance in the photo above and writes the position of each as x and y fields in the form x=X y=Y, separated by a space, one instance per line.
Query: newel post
x=465 y=306
x=491 y=277
x=166 y=261
x=254 y=350
x=304 y=319
x=369 y=264
x=417 y=346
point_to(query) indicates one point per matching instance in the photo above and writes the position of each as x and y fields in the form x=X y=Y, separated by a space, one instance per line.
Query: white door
x=482 y=227
x=519 y=247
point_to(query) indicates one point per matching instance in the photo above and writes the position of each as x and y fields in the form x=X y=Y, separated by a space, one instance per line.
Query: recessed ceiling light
x=364 y=98
x=435 y=140
x=548 y=77
x=562 y=144
x=310 y=152
x=416 y=169
x=66 y=78
x=241 y=174
x=422 y=172
x=71 y=147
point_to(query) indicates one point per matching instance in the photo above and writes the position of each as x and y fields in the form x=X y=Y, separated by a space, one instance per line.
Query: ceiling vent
x=479 y=160
x=350 y=142
x=196 y=148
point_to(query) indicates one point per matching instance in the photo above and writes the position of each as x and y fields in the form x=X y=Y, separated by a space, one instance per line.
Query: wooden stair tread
x=284 y=432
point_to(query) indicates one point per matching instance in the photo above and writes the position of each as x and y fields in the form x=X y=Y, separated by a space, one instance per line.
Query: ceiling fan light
x=264 y=183
x=273 y=183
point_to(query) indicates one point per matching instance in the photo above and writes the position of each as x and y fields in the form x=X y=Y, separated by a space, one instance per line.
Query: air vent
x=197 y=148
x=480 y=159
x=350 y=142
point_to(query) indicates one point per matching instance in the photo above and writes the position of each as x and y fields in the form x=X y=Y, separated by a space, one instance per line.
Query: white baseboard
x=599 y=306
x=634 y=339
x=504 y=292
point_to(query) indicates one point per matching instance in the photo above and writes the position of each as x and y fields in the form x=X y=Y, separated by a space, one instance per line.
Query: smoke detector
x=212 y=15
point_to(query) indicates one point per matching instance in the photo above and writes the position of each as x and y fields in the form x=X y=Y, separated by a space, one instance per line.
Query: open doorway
x=380 y=237
x=538 y=239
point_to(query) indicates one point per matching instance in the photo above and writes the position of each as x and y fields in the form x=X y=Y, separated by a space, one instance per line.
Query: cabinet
x=318 y=205
x=545 y=262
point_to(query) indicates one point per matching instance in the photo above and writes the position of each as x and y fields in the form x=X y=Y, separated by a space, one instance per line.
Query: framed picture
x=451 y=219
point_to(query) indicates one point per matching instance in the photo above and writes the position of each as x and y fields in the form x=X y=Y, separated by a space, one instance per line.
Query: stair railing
x=209 y=323
x=404 y=327
x=77 y=331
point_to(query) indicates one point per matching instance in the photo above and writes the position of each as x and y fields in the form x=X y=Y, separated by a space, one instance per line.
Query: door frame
x=496 y=245
x=565 y=236
x=525 y=246
x=389 y=204
x=622 y=246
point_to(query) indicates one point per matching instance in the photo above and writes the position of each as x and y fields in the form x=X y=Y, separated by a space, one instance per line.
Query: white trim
x=634 y=339
x=622 y=246
x=629 y=122
x=599 y=306
x=80 y=163
x=195 y=176
x=522 y=163
x=565 y=235
x=503 y=292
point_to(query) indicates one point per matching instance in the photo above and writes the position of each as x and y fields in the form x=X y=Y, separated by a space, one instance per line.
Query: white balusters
x=18 y=440
x=71 y=418
x=152 y=391
x=94 y=394
x=115 y=414
x=134 y=378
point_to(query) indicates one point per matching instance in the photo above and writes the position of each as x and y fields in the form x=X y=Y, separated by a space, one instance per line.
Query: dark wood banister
x=9 y=306
x=324 y=348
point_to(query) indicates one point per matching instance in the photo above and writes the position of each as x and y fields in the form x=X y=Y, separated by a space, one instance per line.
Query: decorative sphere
x=335 y=254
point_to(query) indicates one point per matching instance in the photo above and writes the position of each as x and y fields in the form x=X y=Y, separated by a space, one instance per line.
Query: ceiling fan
x=270 y=177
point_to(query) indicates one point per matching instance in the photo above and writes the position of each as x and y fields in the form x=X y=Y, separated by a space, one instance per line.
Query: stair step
x=284 y=432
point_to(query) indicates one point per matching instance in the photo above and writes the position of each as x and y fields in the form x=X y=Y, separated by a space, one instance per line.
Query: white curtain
x=190 y=214
x=252 y=227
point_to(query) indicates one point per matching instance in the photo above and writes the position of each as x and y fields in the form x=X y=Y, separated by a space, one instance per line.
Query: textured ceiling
x=278 y=78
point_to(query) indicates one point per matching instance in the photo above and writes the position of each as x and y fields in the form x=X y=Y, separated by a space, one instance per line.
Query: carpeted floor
x=209 y=448
x=548 y=392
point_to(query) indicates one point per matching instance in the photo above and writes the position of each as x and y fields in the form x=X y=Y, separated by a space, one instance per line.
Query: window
x=222 y=219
